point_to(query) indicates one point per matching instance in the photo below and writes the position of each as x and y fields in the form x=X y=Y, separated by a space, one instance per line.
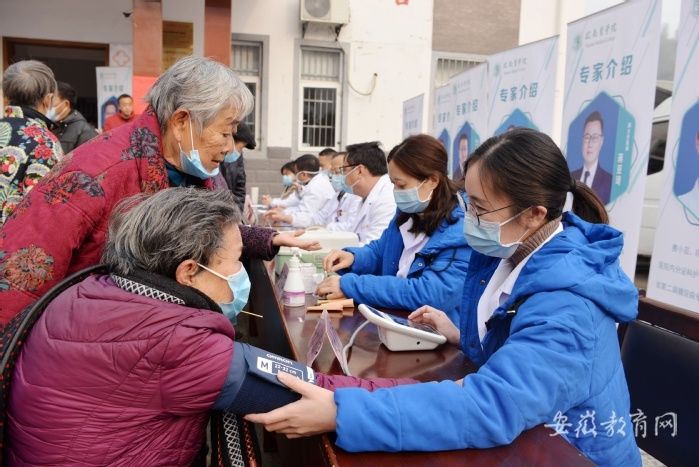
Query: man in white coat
x=317 y=191
x=339 y=213
x=365 y=174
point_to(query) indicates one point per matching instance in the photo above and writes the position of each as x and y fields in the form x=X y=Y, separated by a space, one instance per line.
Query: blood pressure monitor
x=398 y=333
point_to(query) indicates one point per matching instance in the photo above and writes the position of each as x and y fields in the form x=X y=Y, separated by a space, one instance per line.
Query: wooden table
x=286 y=331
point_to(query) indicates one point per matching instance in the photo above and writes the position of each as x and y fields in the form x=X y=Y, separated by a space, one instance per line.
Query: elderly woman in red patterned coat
x=180 y=140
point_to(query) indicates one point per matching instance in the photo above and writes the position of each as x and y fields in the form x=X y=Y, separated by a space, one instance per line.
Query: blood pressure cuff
x=251 y=385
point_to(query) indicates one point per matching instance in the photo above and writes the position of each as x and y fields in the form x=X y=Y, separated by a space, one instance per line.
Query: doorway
x=71 y=62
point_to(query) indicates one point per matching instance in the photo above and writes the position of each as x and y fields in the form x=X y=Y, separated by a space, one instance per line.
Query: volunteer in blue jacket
x=542 y=295
x=422 y=256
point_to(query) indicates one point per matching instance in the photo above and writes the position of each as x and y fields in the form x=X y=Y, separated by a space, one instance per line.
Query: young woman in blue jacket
x=422 y=256
x=543 y=292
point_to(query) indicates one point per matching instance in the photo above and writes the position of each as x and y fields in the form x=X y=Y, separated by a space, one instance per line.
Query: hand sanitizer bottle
x=294 y=290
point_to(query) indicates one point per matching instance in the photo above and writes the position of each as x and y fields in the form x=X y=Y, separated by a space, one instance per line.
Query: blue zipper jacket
x=435 y=278
x=555 y=361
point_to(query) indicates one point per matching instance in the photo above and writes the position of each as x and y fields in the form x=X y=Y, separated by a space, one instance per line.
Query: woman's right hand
x=338 y=259
x=438 y=320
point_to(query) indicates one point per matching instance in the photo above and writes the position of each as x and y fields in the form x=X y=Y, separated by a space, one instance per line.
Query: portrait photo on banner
x=592 y=144
x=686 y=184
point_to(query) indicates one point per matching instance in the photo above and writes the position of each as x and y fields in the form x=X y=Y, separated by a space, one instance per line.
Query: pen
x=253 y=314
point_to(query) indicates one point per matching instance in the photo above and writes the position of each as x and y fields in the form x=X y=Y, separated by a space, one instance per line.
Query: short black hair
x=289 y=166
x=327 y=152
x=66 y=91
x=124 y=96
x=595 y=117
x=370 y=155
x=307 y=163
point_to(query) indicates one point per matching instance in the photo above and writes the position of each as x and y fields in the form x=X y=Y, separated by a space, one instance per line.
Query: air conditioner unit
x=325 y=11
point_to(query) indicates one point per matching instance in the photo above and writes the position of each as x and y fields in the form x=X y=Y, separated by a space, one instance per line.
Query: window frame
x=262 y=90
x=340 y=99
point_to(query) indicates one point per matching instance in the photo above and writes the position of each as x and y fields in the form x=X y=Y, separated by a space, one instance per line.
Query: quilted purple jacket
x=110 y=377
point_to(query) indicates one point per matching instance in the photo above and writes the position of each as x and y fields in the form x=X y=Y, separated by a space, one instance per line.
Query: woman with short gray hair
x=125 y=367
x=28 y=149
x=178 y=141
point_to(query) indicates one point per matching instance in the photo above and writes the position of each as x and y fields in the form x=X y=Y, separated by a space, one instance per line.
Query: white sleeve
x=377 y=220
x=326 y=215
x=313 y=200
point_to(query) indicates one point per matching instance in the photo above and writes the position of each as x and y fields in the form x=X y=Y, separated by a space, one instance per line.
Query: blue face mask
x=485 y=238
x=409 y=200
x=239 y=283
x=231 y=157
x=191 y=163
x=337 y=182
x=287 y=180
x=343 y=179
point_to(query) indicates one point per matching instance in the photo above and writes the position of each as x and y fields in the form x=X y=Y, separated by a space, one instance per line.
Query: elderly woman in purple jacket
x=125 y=367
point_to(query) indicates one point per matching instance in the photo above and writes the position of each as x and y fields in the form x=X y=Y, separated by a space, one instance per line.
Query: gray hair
x=27 y=82
x=156 y=233
x=202 y=86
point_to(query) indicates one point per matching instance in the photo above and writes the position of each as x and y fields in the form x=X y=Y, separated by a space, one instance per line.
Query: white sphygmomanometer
x=398 y=333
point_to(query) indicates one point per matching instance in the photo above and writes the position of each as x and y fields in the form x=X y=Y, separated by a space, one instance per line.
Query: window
x=321 y=72
x=247 y=62
x=658 y=140
x=448 y=65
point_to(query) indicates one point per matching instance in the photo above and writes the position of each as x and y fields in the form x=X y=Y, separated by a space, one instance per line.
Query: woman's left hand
x=330 y=288
x=291 y=239
x=313 y=414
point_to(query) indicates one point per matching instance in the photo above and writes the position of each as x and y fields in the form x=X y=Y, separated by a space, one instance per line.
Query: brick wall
x=475 y=26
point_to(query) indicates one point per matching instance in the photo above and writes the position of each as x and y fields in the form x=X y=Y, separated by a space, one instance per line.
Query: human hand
x=438 y=320
x=277 y=215
x=266 y=200
x=330 y=288
x=291 y=239
x=313 y=414
x=338 y=259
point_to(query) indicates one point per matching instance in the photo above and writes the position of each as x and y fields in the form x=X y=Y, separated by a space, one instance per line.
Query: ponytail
x=587 y=204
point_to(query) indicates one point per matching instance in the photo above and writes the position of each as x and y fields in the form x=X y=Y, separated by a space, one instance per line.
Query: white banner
x=674 y=272
x=412 y=116
x=611 y=68
x=442 y=115
x=469 y=115
x=112 y=81
x=522 y=87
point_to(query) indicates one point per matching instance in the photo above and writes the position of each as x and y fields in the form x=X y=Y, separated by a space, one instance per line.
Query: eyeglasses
x=342 y=169
x=594 y=139
x=472 y=209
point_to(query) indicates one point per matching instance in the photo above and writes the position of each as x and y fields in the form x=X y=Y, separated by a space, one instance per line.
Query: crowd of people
x=515 y=264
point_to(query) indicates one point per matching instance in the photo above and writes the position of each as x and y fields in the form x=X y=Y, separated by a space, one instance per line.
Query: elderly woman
x=28 y=149
x=124 y=368
x=180 y=140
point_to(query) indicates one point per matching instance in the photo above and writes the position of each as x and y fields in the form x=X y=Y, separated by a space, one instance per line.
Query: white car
x=657 y=176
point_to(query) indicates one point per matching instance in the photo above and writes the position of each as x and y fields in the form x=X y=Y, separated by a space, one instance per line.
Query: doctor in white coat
x=339 y=212
x=365 y=174
x=317 y=191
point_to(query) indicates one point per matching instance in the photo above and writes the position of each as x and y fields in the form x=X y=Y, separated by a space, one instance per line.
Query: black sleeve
x=251 y=385
x=238 y=186
x=86 y=134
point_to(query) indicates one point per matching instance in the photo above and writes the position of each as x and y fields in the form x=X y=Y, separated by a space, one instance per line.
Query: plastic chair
x=660 y=353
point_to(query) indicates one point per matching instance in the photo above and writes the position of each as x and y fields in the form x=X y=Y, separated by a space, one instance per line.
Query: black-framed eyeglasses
x=472 y=209
x=342 y=168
